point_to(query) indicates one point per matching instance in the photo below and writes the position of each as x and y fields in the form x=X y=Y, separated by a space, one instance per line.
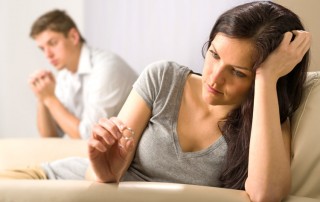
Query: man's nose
x=48 y=53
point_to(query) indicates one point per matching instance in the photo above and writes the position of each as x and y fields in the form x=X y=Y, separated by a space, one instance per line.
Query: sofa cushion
x=305 y=163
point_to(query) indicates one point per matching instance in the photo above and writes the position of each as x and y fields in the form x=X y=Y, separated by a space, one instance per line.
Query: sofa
x=19 y=153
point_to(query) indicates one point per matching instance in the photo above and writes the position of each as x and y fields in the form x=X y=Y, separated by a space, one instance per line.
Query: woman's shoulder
x=161 y=75
x=165 y=68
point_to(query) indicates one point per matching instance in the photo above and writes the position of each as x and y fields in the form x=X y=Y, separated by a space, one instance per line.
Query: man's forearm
x=67 y=121
x=45 y=123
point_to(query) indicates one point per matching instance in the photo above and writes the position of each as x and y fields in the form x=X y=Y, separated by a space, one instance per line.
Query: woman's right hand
x=109 y=152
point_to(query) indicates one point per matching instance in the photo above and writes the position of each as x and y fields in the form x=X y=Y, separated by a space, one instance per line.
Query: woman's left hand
x=287 y=55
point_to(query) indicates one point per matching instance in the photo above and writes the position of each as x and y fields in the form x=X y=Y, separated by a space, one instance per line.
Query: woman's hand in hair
x=110 y=145
x=287 y=55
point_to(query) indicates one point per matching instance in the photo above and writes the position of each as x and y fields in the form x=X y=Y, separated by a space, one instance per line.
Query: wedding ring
x=126 y=138
x=130 y=137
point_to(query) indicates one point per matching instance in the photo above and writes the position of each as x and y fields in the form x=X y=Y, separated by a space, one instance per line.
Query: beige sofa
x=23 y=152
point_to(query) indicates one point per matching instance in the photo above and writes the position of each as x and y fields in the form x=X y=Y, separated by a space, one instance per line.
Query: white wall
x=143 y=31
x=19 y=57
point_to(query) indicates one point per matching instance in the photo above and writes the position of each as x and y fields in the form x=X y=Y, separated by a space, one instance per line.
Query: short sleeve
x=158 y=80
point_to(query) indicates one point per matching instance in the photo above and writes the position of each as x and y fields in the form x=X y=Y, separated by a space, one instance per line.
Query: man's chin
x=58 y=67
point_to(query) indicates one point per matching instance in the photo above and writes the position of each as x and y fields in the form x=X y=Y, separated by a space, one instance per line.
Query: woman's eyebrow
x=215 y=50
x=235 y=66
x=244 y=68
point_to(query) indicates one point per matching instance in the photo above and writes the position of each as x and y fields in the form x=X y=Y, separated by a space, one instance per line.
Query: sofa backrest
x=305 y=144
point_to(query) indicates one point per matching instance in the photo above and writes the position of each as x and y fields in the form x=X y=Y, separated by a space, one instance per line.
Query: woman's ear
x=74 y=35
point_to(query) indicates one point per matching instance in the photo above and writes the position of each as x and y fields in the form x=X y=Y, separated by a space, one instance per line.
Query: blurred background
x=140 y=31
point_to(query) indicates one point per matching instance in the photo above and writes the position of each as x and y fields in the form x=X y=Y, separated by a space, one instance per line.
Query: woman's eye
x=214 y=55
x=238 y=73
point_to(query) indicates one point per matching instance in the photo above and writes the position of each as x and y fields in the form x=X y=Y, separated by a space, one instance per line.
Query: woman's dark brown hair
x=264 y=23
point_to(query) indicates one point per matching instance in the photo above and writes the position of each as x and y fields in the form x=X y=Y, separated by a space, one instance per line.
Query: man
x=90 y=83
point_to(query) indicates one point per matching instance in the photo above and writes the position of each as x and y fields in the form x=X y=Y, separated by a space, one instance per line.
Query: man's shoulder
x=106 y=63
x=98 y=54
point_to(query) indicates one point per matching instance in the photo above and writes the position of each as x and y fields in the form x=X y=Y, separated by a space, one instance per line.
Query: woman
x=229 y=127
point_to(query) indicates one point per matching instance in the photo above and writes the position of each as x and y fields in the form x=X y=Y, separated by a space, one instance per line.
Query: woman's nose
x=218 y=74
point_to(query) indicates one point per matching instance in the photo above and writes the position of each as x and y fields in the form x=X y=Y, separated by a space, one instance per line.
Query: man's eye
x=238 y=73
x=214 y=54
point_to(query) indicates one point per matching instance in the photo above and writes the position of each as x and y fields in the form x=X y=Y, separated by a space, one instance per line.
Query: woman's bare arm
x=108 y=160
x=269 y=176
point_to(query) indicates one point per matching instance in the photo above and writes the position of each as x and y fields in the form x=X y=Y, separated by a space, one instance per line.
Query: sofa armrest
x=44 y=190
x=20 y=152
x=69 y=191
x=305 y=164
x=25 y=152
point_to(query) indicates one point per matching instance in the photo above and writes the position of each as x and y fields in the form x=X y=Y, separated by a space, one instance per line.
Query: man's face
x=57 y=48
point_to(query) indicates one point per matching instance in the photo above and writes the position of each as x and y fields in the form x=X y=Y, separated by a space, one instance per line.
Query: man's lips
x=54 y=62
x=213 y=91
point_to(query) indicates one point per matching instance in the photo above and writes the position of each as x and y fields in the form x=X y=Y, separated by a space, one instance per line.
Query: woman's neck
x=193 y=93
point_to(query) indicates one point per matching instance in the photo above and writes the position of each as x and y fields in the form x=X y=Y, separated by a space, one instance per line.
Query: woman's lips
x=214 y=91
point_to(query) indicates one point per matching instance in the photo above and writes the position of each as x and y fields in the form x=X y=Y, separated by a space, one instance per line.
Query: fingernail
x=122 y=127
x=111 y=140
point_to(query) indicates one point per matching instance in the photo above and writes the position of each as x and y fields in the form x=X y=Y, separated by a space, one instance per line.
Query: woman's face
x=227 y=74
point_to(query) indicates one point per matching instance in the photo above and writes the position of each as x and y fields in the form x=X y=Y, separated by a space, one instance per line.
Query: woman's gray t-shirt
x=159 y=156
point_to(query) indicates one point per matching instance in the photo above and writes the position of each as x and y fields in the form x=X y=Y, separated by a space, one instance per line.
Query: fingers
x=127 y=148
x=105 y=134
x=126 y=132
x=119 y=123
x=108 y=132
x=302 y=41
x=287 y=38
x=40 y=73
x=111 y=126
x=296 y=44
x=39 y=76
x=126 y=141
x=288 y=54
x=96 y=144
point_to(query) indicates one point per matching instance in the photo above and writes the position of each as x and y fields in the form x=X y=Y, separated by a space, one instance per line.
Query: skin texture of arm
x=108 y=160
x=45 y=123
x=269 y=176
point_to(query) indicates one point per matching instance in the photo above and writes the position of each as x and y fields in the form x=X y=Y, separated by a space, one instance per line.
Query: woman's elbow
x=267 y=193
x=266 y=197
